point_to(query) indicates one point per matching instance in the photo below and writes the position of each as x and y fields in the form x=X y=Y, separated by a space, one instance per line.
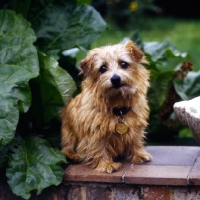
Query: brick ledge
x=171 y=166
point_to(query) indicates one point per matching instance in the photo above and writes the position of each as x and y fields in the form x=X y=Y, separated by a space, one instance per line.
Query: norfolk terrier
x=108 y=118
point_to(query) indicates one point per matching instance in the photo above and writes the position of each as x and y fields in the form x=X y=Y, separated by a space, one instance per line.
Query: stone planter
x=188 y=113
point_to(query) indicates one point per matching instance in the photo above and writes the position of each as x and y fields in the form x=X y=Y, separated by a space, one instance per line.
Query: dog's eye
x=103 y=69
x=124 y=65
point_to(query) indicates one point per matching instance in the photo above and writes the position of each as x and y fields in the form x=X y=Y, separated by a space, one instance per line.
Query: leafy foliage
x=60 y=30
x=171 y=81
x=50 y=89
x=34 y=87
x=18 y=64
x=189 y=87
x=34 y=165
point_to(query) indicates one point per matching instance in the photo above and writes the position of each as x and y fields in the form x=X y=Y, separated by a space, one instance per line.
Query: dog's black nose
x=116 y=80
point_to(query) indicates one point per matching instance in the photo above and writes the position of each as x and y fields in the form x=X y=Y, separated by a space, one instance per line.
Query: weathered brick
x=198 y=193
x=186 y=193
x=61 y=192
x=156 y=193
x=127 y=193
x=109 y=193
x=96 y=192
x=74 y=193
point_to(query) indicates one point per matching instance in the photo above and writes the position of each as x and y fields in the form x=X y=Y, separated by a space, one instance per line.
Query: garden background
x=41 y=44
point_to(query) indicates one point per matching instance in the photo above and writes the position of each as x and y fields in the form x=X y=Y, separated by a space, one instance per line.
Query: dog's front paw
x=108 y=167
x=140 y=157
x=71 y=155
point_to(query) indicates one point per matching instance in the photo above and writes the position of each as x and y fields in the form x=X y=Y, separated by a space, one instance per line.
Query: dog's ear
x=135 y=52
x=85 y=65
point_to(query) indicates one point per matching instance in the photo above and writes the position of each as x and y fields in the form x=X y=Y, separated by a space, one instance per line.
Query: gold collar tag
x=121 y=127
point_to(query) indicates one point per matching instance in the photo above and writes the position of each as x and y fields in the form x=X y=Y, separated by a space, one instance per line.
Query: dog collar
x=121 y=111
x=121 y=127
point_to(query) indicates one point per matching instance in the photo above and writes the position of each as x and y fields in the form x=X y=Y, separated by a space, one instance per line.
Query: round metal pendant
x=121 y=128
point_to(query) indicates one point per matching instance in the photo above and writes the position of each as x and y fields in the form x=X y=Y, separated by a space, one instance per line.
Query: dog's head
x=115 y=71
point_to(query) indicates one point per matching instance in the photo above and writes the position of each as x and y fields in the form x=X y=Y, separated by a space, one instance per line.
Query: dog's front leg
x=138 y=154
x=106 y=165
x=101 y=155
x=68 y=145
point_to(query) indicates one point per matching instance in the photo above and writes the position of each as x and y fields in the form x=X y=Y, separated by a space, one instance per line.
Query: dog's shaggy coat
x=114 y=78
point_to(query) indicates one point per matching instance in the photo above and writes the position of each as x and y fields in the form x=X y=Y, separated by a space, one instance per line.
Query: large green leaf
x=157 y=94
x=51 y=89
x=18 y=64
x=163 y=55
x=188 y=87
x=61 y=27
x=157 y=50
x=34 y=166
x=160 y=83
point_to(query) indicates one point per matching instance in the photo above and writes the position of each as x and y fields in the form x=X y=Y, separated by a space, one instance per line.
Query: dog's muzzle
x=116 y=81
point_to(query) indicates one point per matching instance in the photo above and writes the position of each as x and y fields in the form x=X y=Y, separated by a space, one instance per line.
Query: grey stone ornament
x=188 y=112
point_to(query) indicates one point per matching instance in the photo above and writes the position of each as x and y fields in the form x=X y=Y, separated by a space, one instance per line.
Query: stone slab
x=157 y=175
x=173 y=155
x=194 y=176
x=171 y=165
x=83 y=173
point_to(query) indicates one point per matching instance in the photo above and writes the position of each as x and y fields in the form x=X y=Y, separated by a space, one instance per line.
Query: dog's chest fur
x=92 y=120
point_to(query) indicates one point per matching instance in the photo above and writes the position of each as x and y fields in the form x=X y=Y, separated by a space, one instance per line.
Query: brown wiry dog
x=107 y=119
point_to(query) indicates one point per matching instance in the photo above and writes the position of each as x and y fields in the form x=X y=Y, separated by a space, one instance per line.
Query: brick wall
x=94 y=191
x=130 y=192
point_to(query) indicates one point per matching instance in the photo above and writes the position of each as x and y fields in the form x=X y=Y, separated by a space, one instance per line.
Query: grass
x=183 y=34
